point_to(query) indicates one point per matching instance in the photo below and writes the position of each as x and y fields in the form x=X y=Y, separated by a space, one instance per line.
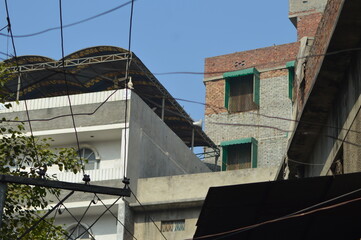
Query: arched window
x=91 y=157
x=79 y=232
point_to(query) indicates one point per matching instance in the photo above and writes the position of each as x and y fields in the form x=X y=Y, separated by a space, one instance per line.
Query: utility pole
x=5 y=179
x=3 y=188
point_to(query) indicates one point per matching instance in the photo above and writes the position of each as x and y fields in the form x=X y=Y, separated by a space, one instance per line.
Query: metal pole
x=18 y=89
x=3 y=189
x=122 y=192
x=192 y=139
x=163 y=106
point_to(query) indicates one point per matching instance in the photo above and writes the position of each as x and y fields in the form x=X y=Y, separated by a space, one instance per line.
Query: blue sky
x=168 y=35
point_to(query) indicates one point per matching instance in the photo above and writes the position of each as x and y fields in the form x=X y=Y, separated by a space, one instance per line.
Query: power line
x=273 y=117
x=117 y=219
x=217 y=123
x=86 y=178
x=78 y=222
x=69 y=25
x=260 y=64
x=55 y=213
x=5 y=54
x=300 y=213
x=160 y=231
x=127 y=81
x=19 y=80
x=65 y=233
x=100 y=216
x=3 y=28
x=45 y=215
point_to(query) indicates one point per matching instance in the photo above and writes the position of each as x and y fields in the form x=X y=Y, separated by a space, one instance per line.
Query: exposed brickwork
x=272 y=74
x=322 y=38
x=307 y=25
x=215 y=97
x=215 y=91
x=274 y=101
x=261 y=58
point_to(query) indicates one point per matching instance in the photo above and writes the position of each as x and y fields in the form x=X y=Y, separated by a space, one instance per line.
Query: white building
x=153 y=138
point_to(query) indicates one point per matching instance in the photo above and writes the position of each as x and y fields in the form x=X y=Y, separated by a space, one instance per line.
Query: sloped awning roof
x=97 y=69
x=234 y=212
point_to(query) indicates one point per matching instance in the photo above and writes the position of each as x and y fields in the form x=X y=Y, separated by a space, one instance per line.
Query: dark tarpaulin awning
x=98 y=69
x=239 y=206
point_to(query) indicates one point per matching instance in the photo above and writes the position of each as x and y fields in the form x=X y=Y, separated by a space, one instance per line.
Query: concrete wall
x=154 y=149
x=344 y=115
x=84 y=104
x=296 y=6
x=181 y=197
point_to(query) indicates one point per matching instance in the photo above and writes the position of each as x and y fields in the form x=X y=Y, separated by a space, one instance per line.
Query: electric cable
x=19 y=76
x=45 y=215
x=300 y=213
x=55 y=213
x=127 y=78
x=272 y=117
x=260 y=64
x=78 y=222
x=5 y=54
x=86 y=177
x=218 y=123
x=65 y=233
x=71 y=24
x=150 y=217
x=116 y=218
x=3 y=28
x=97 y=219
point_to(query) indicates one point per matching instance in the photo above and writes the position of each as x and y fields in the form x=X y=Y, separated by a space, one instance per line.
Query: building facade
x=135 y=133
x=249 y=96
x=326 y=137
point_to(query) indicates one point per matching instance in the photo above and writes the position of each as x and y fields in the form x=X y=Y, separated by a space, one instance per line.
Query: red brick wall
x=322 y=38
x=307 y=25
x=261 y=58
x=215 y=97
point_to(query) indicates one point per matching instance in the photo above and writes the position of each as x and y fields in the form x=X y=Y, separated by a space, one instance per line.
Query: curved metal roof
x=97 y=69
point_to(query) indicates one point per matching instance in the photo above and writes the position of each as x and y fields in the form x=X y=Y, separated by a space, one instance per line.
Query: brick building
x=328 y=99
x=249 y=95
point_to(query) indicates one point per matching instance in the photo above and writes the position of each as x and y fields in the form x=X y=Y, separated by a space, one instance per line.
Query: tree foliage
x=28 y=156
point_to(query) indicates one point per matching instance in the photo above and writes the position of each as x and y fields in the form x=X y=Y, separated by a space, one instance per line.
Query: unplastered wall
x=154 y=149
x=271 y=132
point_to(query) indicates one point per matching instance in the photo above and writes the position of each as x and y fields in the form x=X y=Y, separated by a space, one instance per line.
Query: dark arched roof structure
x=98 y=69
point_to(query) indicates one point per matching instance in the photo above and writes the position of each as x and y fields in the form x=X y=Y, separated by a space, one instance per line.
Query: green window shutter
x=291 y=75
x=254 y=153
x=224 y=158
x=254 y=150
x=256 y=86
x=240 y=73
x=237 y=141
x=226 y=93
x=249 y=71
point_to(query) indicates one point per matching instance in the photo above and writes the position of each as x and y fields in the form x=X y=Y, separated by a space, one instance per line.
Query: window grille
x=89 y=155
x=173 y=226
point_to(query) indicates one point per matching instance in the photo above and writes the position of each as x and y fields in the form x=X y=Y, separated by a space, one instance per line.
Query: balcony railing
x=95 y=175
